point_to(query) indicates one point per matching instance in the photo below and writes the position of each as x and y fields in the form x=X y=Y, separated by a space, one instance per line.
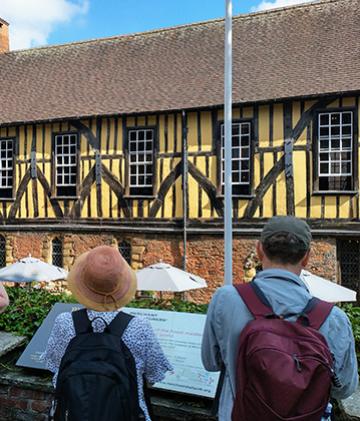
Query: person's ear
x=306 y=258
x=259 y=251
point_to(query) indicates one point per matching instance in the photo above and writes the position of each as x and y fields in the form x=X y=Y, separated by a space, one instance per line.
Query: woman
x=103 y=282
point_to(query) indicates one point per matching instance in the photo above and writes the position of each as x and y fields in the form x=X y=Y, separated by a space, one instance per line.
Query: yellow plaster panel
x=236 y=113
x=315 y=207
x=179 y=198
x=152 y=120
x=220 y=114
x=41 y=200
x=130 y=121
x=193 y=197
x=256 y=170
x=12 y=131
x=206 y=205
x=278 y=125
x=309 y=104
x=268 y=198
x=105 y=195
x=103 y=137
x=120 y=141
x=170 y=133
x=295 y=112
x=264 y=125
x=334 y=104
x=134 y=204
x=84 y=211
x=281 y=194
x=344 y=207
x=299 y=159
x=141 y=121
x=56 y=127
x=242 y=207
x=179 y=132
x=330 y=207
x=93 y=201
x=349 y=102
x=192 y=136
x=213 y=169
x=206 y=131
x=248 y=112
x=29 y=131
x=161 y=134
x=48 y=142
x=21 y=142
x=3 y=132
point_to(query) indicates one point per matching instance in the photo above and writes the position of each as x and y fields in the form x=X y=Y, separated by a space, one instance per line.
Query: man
x=284 y=250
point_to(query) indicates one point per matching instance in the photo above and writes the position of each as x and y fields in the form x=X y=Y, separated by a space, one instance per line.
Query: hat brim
x=77 y=287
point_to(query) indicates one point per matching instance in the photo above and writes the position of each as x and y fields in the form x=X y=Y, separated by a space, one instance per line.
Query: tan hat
x=102 y=280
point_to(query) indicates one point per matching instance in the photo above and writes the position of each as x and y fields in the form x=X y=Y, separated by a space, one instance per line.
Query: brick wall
x=205 y=256
x=18 y=402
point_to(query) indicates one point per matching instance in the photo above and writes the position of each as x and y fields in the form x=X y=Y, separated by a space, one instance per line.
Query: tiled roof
x=297 y=51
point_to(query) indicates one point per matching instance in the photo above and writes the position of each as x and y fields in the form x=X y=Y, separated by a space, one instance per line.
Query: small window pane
x=125 y=251
x=57 y=252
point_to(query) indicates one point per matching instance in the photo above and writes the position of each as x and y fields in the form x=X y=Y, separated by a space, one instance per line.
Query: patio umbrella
x=326 y=290
x=30 y=269
x=164 y=277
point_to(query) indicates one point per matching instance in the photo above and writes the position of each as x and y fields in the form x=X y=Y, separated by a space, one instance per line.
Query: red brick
x=13 y=403
x=26 y=393
x=40 y=406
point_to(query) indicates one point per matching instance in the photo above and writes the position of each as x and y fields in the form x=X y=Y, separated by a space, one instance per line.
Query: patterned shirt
x=139 y=337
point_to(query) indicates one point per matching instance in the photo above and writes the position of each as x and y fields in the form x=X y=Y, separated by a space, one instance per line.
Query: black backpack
x=97 y=377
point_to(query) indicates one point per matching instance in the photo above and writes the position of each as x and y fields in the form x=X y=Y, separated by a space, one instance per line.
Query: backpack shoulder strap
x=316 y=312
x=254 y=299
x=81 y=321
x=119 y=324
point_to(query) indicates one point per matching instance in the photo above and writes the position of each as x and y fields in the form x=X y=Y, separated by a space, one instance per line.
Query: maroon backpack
x=284 y=369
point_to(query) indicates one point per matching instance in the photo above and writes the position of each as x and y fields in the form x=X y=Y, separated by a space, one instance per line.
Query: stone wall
x=205 y=254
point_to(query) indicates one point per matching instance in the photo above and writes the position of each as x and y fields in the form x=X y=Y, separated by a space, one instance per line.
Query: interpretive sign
x=30 y=358
x=179 y=334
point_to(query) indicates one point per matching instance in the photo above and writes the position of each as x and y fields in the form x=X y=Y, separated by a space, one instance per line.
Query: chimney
x=4 y=36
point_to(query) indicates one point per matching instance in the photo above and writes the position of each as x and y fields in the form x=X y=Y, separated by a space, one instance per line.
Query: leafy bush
x=353 y=313
x=28 y=308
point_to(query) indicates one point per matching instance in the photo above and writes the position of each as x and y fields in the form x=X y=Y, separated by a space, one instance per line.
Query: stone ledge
x=9 y=342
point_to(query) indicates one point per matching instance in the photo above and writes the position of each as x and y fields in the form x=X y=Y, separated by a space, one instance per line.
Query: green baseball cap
x=288 y=224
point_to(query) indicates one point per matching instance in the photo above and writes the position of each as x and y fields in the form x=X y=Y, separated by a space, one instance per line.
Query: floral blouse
x=139 y=337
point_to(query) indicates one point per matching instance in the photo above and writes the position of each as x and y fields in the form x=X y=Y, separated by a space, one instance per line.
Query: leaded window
x=66 y=165
x=335 y=151
x=241 y=158
x=6 y=168
x=125 y=251
x=349 y=262
x=2 y=251
x=141 y=144
x=57 y=252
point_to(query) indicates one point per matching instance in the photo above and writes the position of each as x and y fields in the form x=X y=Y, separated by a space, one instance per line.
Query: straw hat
x=102 y=280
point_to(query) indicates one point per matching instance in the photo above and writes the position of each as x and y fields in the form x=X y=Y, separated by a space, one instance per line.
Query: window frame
x=251 y=158
x=316 y=152
x=128 y=195
x=61 y=241
x=53 y=166
x=3 y=240
x=12 y=197
x=129 y=245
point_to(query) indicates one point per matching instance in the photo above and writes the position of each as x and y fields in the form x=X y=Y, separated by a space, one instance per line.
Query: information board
x=179 y=334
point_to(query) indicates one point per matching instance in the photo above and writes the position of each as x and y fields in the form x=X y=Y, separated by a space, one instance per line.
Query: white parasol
x=30 y=269
x=164 y=277
x=327 y=290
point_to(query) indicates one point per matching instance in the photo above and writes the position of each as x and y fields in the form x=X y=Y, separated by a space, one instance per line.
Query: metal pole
x=228 y=143
x=184 y=183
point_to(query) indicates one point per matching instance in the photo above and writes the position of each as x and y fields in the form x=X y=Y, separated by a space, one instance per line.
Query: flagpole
x=228 y=142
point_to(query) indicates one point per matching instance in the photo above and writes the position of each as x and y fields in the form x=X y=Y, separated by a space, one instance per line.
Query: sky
x=46 y=22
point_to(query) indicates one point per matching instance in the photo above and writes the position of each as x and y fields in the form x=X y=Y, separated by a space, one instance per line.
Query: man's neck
x=290 y=268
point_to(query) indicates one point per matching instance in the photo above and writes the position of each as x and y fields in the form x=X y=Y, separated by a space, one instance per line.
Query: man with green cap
x=284 y=250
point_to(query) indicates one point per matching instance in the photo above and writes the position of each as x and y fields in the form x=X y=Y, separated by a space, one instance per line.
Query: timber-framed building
x=120 y=140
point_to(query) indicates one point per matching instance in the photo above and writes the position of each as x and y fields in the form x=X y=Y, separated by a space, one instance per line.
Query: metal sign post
x=228 y=143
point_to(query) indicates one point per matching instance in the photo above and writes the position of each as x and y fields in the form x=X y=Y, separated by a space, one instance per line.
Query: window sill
x=237 y=196
x=65 y=197
x=335 y=193
x=7 y=199
x=139 y=197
